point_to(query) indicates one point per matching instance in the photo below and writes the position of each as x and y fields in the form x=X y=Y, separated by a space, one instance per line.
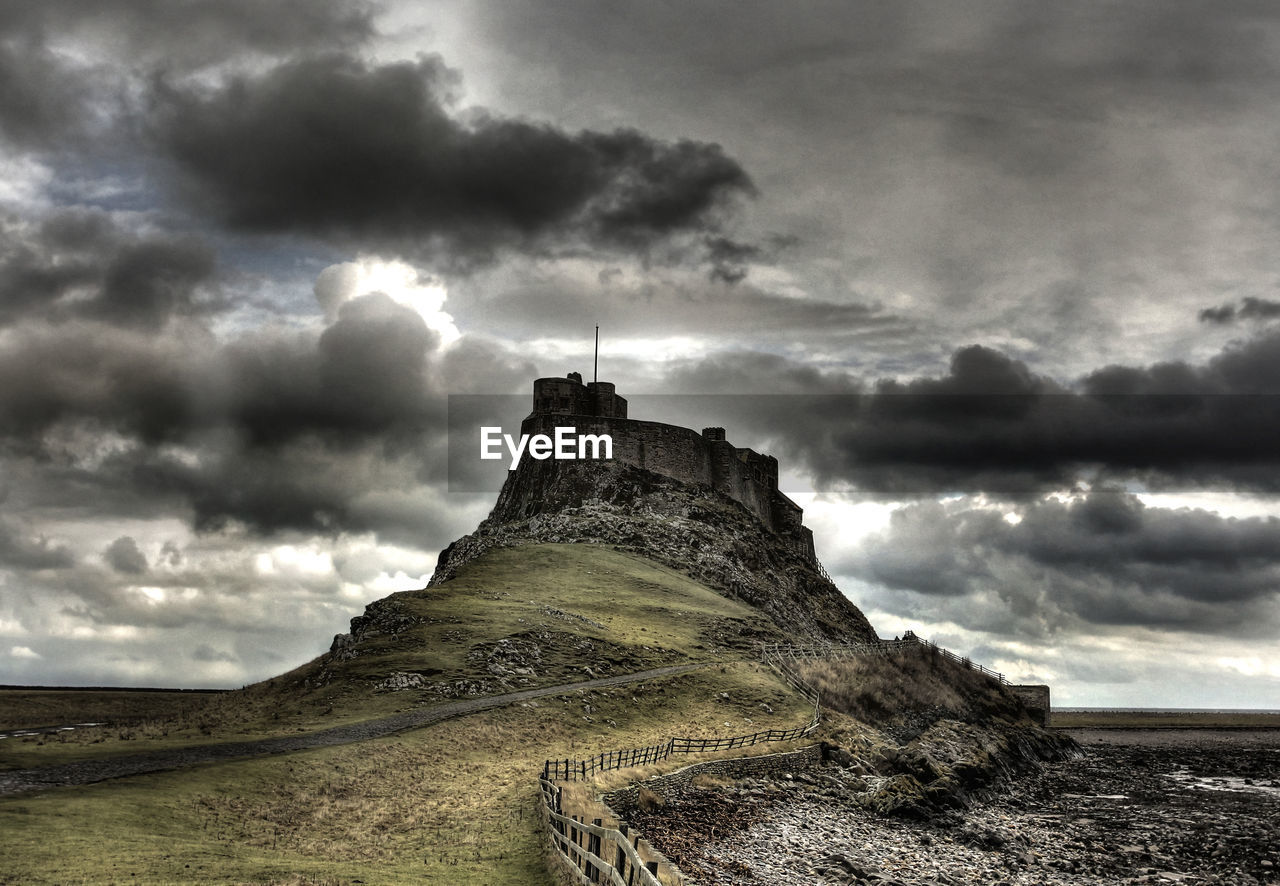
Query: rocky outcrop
x=381 y=617
x=1123 y=812
x=694 y=529
x=742 y=821
x=945 y=765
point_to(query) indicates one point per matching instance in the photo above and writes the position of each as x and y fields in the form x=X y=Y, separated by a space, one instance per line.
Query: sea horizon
x=1162 y=710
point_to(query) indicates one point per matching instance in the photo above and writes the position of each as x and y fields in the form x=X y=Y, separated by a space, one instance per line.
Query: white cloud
x=401 y=281
x=390 y=584
x=1252 y=666
x=153 y=595
x=23 y=181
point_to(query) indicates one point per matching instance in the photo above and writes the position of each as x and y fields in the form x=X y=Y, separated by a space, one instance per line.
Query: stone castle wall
x=690 y=457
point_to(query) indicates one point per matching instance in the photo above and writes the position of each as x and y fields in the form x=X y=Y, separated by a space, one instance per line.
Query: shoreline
x=1130 y=719
x=1071 y=730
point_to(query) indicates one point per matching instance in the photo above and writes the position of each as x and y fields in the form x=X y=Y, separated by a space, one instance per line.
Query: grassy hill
x=516 y=618
x=455 y=802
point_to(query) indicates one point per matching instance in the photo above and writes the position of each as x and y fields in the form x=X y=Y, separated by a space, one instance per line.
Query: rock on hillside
x=695 y=529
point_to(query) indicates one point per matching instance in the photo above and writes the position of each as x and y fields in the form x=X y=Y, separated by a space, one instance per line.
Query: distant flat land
x=29 y=707
x=1120 y=719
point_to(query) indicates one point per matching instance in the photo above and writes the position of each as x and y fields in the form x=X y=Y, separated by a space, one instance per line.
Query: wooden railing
x=962 y=660
x=576 y=770
x=596 y=853
x=772 y=657
x=777 y=654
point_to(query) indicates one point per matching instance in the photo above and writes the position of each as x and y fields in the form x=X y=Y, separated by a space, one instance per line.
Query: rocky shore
x=1153 y=806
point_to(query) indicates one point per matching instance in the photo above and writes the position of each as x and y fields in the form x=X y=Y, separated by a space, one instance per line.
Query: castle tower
x=569 y=396
x=747 y=476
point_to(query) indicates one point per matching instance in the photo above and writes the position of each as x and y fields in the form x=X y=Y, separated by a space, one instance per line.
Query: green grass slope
x=516 y=618
x=451 y=803
x=581 y=605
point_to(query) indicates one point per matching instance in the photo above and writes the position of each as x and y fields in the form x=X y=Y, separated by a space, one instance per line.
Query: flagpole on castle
x=595 y=364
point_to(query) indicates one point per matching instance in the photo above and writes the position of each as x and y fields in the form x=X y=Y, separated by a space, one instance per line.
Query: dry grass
x=582 y=604
x=256 y=712
x=907 y=686
x=23 y=708
x=454 y=803
x=619 y=778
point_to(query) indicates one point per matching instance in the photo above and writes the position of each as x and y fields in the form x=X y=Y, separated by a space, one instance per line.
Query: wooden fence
x=576 y=770
x=774 y=652
x=963 y=660
x=595 y=853
x=777 y=654
x=780 y=663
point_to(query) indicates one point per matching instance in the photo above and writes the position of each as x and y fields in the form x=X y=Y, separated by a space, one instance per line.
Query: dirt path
x=88 y=771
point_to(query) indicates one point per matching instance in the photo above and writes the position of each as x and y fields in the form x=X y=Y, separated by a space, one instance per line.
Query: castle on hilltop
x=746 y=476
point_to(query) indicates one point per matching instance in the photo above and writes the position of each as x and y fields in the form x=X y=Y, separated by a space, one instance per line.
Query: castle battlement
x=707 y=458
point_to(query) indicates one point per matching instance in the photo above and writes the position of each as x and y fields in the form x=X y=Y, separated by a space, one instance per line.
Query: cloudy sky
x=997 y=282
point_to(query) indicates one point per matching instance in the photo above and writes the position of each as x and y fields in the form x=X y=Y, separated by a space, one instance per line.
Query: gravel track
x=89 y=771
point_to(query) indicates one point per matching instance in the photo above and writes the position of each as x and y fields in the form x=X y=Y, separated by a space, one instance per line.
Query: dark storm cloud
x=322 y=433
x=80 y=264
x=991 y=424
x=373 y=362
x=200 y=29
x=41 y=99
x=123 y=556
x=1250 y=308
x=1220 y=314
x=205 y=652
x=729 y=259
x=64 y=64
x=301 y=485
x=274 y=438
x=88 y=373
x=20 y=550
x=1104 y=559
x=336 y=148
x=363 y=377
